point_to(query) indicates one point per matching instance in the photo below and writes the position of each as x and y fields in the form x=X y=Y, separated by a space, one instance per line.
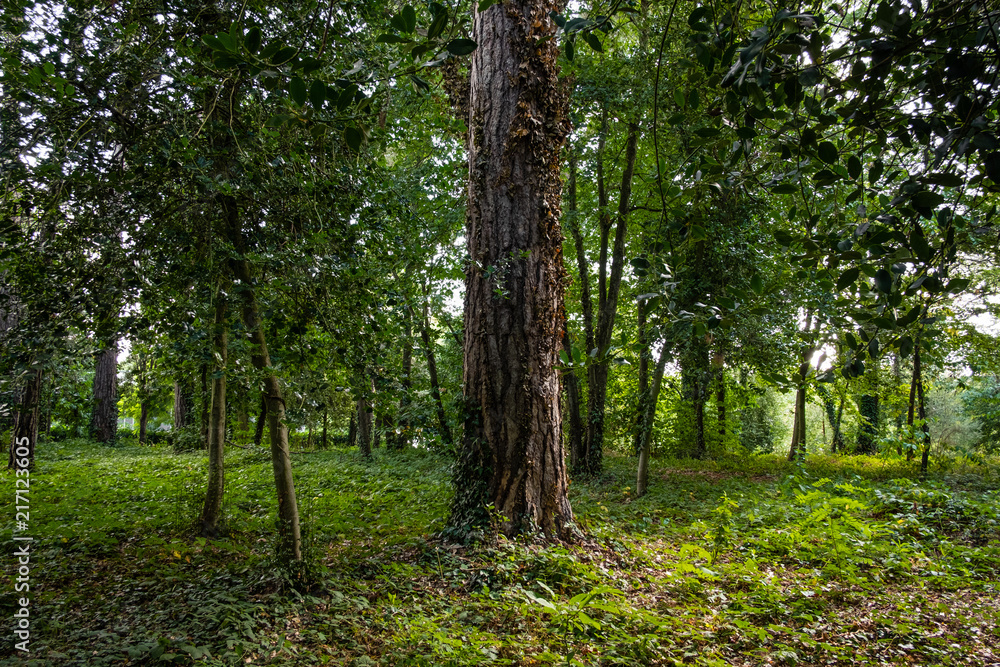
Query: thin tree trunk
x=211 y=513
x=640 y=412
x=922 y=414
x=206 y=400
x=425 y=336
x=143 y=421
x=578 y=453
x=720 y=402
x=646 y=429
x=798 y=445
x=258 y=435
x=104 y=410
x=352 y=428
x=364 y=427
x=571 y=385
x=281 y=462
x=326 y=414
x=868 y=407
x=402 y=439
x=511 y=455
x=183 y=404
x=609 y=288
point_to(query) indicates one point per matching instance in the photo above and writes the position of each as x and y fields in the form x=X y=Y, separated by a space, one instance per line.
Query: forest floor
x=745 y=561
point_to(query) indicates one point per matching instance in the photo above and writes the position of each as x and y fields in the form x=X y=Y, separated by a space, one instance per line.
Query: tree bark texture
x=26 y=422
x=211 y=513
x=609 y=289
x=183 y=404
x=364 y=427
x=511 y=456
x=868 y=408
x=104 y=408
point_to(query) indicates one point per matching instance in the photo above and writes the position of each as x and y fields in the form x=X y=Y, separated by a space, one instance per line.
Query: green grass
x=741 y=561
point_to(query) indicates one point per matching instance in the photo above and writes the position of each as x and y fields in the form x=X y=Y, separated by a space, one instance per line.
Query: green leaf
x=847 y=278
x=420 y=85
x=875 y=172
x=854 y=167
x=409 y=16
x=947 y=179
x=389 y=38
x=50 y=69
x=354 y=138
x=438 y=25
x=485 y=4
x=785 y=189
x=277 y=120
x=593 y=41
x=918 y=244
x=698 y=233
x=461 y=47
x=883 y=281
x=827 y=152
x=284 y=54
x=563 y=357
x=569 y=50
x=757 y=285
x=253 y=39
x=317 y=93
x=214 y=43
x=956 y=285
x=927 y=199
x=297 y=89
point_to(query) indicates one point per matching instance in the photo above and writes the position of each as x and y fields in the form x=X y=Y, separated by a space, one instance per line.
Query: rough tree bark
x=26 y=421
x=211 y=513
x=511 y=454
x=104 y=409
x=183 y=404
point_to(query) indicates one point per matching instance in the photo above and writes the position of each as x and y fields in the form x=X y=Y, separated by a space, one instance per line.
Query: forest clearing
x=741 y=561
x=500 y=332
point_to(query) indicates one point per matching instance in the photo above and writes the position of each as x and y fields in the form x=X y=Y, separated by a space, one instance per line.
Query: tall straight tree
x=511 y=453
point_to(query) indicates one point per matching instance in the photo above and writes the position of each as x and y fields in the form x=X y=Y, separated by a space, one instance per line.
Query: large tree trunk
x=281 y=462
x=211 y=513
x=609 y=288
x=425 y=336
x=183 y=404
x=26 y=418
x=104 y=409
x=512 y=455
